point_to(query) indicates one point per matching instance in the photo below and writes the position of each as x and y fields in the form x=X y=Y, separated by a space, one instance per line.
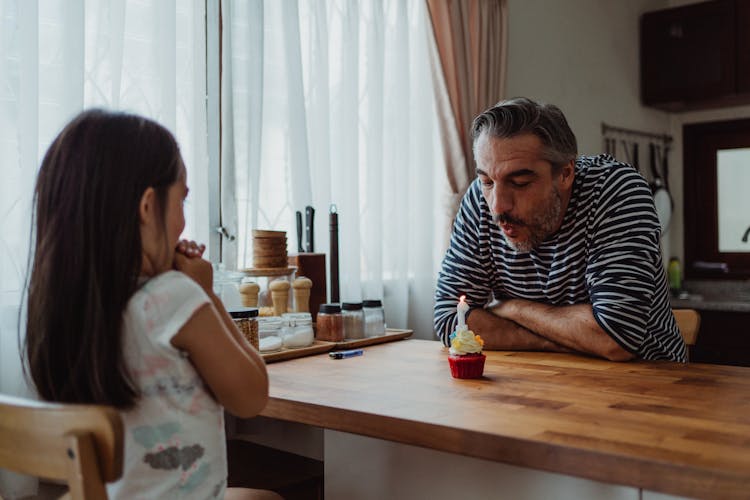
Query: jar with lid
x=330 y=323
x=297 y=330
x=269 y=333
x=226 y=286
x=374 y=318
x=246 y=319
x=354 y=320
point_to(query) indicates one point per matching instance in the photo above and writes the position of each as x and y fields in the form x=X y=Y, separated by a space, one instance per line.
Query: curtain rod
x=620 y=130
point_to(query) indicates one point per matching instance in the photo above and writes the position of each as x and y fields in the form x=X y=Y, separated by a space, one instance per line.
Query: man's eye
x=487 y=183
x=520 y=184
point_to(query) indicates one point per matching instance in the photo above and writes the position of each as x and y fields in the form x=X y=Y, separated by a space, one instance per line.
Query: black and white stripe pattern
x=606 y=253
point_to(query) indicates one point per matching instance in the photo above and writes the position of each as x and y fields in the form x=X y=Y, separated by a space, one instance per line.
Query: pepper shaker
x=302 y=288
x=249 y=293
x=279 y=296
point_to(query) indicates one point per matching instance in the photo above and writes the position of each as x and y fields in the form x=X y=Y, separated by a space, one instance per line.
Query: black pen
x=345 y=354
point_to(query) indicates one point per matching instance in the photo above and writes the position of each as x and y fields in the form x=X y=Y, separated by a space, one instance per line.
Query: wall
x=583 y=55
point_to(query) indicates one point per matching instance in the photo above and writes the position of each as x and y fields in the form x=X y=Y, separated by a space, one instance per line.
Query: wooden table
x=664 y=427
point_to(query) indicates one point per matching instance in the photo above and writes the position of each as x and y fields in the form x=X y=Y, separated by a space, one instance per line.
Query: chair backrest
x=689 y=322
x=79 y=444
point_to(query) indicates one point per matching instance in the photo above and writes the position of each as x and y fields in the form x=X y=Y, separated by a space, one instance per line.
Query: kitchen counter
x=714 y=295
x=654 y=426
x=708 y=303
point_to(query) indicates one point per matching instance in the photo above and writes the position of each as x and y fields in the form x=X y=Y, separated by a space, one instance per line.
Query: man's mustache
x=507 y=219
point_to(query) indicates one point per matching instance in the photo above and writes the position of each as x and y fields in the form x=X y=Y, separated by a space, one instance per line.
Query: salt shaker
x=249 y=294
x=301 y=287
x=280 y=296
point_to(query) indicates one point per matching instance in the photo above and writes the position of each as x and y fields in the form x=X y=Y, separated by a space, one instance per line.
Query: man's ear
x=567 y=173
x=147 y=206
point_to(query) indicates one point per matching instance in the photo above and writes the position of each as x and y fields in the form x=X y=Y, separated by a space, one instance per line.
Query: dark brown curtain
x=468 y=66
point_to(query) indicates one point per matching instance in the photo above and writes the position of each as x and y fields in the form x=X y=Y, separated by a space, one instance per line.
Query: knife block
x=313 y=266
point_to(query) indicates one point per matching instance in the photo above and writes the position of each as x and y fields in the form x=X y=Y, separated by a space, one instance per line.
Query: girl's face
x=160 y=239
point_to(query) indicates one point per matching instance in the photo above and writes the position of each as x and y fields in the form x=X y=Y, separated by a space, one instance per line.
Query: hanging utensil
x=626 y=148
x=665 y=166
x=662 y=199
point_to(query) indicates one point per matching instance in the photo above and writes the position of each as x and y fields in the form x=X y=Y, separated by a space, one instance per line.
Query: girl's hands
x=190 y=248
x=187 y=259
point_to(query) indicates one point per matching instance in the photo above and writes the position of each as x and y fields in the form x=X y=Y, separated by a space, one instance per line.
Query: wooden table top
x=667 y=427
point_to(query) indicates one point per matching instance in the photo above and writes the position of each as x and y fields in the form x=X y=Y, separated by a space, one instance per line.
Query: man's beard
x=540 y=226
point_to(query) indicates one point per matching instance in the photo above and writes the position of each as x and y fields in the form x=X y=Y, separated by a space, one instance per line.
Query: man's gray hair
x=521 y=115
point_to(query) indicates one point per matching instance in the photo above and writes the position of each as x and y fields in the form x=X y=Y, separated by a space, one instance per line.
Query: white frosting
x=465 y=342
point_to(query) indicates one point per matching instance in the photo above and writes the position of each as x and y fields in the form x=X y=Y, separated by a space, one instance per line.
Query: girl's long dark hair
x=87 y=252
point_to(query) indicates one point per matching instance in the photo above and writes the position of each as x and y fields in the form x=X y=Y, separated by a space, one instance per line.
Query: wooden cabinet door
x=743 y=46
x=688 y=53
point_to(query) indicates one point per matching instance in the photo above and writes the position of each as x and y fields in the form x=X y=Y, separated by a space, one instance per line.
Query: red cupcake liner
x=467 y=366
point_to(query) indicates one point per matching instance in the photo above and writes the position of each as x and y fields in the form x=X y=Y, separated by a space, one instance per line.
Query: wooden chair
x=79 y=444
x=689 y=322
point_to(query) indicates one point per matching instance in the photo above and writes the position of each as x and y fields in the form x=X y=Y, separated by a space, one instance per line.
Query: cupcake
x=466 y=359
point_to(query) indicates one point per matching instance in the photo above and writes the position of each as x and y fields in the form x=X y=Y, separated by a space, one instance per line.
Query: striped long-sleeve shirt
x=606 y=253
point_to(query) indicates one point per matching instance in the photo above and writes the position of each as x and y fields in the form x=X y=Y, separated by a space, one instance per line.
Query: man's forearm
x=571 y=326
x=503 y=334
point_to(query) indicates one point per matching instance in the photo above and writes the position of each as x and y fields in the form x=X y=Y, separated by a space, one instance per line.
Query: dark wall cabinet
x=696 y=56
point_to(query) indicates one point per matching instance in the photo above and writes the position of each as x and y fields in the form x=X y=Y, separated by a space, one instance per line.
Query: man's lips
x=510 y=230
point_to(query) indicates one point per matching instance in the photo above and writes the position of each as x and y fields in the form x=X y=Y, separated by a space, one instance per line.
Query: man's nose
x=502 y=200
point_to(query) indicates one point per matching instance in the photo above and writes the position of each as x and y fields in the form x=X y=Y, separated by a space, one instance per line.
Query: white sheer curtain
x=58 y=57
x=331 y=102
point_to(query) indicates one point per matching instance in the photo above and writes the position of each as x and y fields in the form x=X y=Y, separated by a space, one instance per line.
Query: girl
x=122 y=313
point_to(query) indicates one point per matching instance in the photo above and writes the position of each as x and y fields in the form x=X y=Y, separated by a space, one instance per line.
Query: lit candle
x=462 y=308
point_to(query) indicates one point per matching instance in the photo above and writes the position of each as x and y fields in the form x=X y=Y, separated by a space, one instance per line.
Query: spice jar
x=330 y=323
x=247 y=323
x=374 y=318
x=297 y=330
x=269 y=333
x=354 y=320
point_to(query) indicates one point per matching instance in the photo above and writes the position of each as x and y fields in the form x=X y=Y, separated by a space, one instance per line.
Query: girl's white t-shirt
x=174 y=436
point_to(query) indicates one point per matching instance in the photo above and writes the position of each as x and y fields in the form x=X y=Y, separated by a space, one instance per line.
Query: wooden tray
x=391 y=334
x=317 y=347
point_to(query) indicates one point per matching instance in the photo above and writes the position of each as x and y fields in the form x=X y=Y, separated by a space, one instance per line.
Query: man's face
x=527 y=200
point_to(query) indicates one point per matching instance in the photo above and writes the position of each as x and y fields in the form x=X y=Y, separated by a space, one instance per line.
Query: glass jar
x=330 y=323
x=297 y=330
x=269 y=333
x=226 y=286
x=374 y=318
x=354 y=320
x=246 y=319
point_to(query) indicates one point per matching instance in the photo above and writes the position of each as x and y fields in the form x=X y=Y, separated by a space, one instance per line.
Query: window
x=716 y=194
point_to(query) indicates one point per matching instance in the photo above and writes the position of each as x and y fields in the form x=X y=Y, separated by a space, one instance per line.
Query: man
x=568 y=246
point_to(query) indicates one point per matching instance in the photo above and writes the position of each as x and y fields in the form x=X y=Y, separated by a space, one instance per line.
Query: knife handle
x=309 y=229
x=299 y=232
